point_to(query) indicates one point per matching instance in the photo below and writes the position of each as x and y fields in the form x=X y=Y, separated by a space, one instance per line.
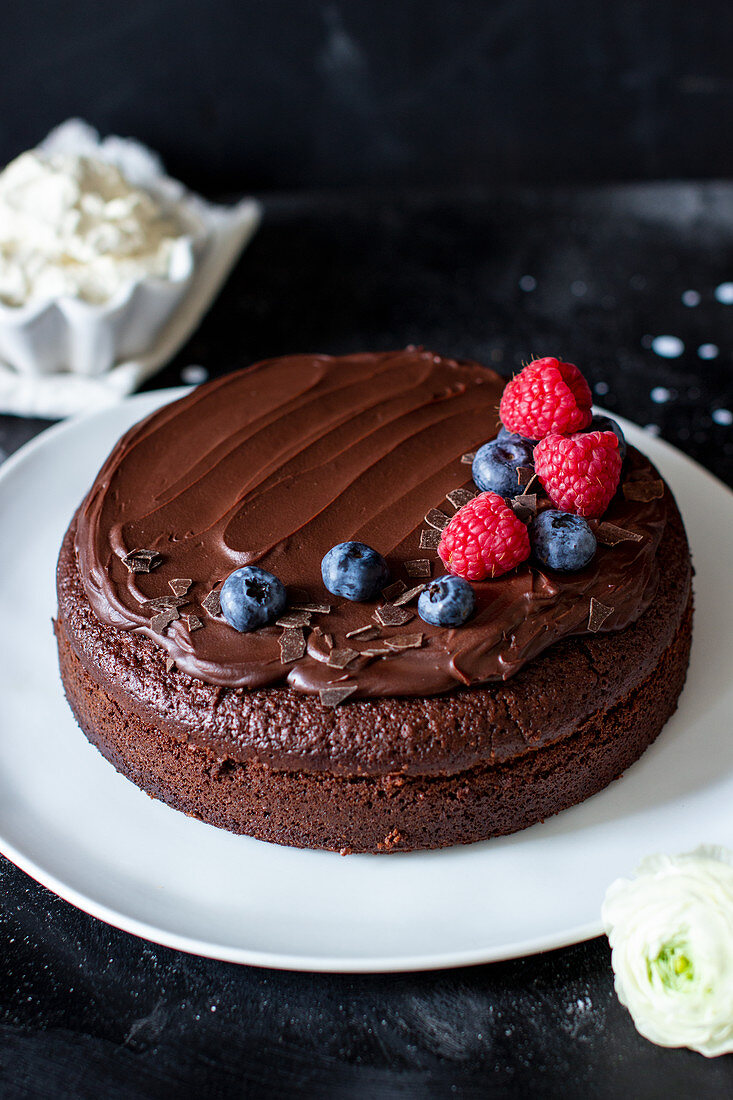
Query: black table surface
x=594 y=275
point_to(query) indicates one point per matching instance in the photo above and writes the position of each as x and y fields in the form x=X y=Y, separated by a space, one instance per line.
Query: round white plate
x=73 y=823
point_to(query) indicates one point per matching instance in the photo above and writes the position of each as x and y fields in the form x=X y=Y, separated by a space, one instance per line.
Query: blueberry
x=354 y=571
x=251 y=597
x=505 y=434
x=447 y=601
x=495 y=465
x=606 y=424
x=562 y=540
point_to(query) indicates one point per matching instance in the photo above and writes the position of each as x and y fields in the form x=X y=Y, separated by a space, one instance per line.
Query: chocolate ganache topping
x=276 y=464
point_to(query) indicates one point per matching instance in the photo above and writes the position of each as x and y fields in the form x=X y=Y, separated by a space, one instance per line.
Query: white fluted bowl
x=70 y=335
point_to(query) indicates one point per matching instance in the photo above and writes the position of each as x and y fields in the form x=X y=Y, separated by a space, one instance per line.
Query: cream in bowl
x=73 y=225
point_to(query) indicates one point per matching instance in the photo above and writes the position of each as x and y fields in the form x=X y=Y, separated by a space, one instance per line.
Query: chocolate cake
x=343 y=725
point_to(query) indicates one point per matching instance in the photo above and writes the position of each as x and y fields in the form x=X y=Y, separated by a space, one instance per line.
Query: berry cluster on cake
x=286 y=609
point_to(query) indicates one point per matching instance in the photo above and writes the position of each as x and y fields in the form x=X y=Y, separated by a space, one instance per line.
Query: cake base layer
x=379 y=813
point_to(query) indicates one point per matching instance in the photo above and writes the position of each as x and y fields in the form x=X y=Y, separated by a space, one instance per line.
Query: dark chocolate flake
x=608 y=534
x=328 y=641
x=376 y=651
x=169 y=664
x=212 y=603
x=389 y=615
x=365 y=633
x=405 y=641
x=332 y=696
x=160 y=622
x=393 y=590
x=468 y=458
x=525 y=476
x=294 y=618
x=142 y=561
x=437 y=519
x=525 y=506
x=598 y=614
x=340 y=658
x=429 y=539
x=643 y=491
x=292 y=645
x=180 y=585
x=192 y=622
x=164 y=603
x=408 y=596
x=314 y=608
x=459 y=497
x=420 y=567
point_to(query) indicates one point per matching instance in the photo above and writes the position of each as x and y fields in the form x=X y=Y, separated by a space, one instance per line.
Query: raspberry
x=580 y=472
x=547 y=396
x=484 y=539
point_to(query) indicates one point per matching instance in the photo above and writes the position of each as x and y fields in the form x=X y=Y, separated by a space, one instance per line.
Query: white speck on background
x=194 y=374
x=660 y=395
x=651 y=429
x=601 y=388
x=690 y=298
x=527 y=282
x=668 y=347
x=708 y=351
x=723 y=416
x=724 y=293
x=578 y=288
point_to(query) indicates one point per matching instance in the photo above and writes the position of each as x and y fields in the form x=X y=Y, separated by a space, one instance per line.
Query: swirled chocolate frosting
x=275 y=464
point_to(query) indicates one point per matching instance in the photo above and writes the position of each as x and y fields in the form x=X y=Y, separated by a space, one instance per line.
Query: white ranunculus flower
x=671 y=931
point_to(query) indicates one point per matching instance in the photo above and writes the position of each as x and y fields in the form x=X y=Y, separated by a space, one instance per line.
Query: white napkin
x=228 y=229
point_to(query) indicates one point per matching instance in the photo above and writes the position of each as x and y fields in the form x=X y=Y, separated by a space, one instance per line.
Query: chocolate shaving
x=160 y=622
x=142 y=561
x=405 y=641
x=643 y=491
x=420 y=567
x=525 y=476
x=376 y=652
x=389 y=615
x=524 y=506
x=192 y=622
x=598 y=614
x=365 y=633
x=437 y=519
x=328 y=641
x=314 y=608
x=169 y=664
x=608 y=534
x=180 y=585
x=393 y=590
x=163 y=603
x=332 y=696
x=212 y=603
x=408 y=596
x=294 y=618
x=292 y=645
x=429 y=539
x=468 y=458
x=459 y=497
x=340 y=658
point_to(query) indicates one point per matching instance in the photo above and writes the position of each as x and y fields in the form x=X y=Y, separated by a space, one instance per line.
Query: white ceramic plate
x=73 y=823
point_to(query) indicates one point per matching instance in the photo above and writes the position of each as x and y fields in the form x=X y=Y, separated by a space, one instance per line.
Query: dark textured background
x=87 y=1011
x=290 y=93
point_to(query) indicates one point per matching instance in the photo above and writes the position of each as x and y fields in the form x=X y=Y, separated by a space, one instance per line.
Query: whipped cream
x=74 y=225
